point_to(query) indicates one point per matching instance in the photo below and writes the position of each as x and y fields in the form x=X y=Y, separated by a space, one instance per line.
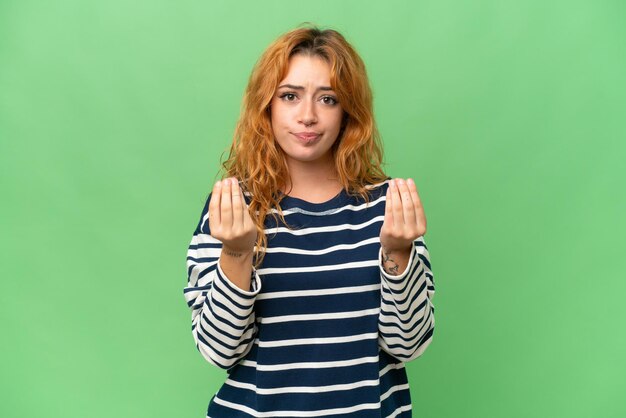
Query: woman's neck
x=315 y=182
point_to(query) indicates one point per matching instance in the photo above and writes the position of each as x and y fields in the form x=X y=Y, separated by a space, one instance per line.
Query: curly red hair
x=256 y=159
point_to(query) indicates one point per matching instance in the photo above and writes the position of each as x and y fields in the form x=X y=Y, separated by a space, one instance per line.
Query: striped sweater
x=323 y=331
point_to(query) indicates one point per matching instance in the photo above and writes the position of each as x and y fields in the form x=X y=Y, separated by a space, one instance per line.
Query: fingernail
x=410 y=181
x=392 y=183
x=218 y=183
x=400 y=181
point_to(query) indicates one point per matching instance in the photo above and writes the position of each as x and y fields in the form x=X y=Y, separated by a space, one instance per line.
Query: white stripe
x=205 y=253
x=323 y=340
x=202 y=238
x=399 y=411
x=325 y=250
x=309 y=365
x=318 y=317
x=216 y=252
x=388 y=367
x=332 y=228
x=356 y=264
x=302 y=389
x=317 y=413
x=343 y=208
x=392 y=390
x=318 y=292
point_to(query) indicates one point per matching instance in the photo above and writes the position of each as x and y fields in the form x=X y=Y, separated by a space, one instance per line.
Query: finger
x=226 y=208
x=398 y=217
x=237 y=202
x=214 y=204
x=414 y=196
x=247 y=220
x=408 y=210
x=420 y=217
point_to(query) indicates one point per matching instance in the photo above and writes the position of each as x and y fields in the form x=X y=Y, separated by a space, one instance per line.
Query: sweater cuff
x=240 y=296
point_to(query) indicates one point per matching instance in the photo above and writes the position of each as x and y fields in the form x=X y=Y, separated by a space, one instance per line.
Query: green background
x=508 y=114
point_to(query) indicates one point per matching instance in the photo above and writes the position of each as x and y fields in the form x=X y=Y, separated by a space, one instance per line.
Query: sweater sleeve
x=406 y=321
x=222 y=315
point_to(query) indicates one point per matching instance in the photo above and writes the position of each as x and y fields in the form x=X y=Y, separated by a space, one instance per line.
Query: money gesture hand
x=404 y=222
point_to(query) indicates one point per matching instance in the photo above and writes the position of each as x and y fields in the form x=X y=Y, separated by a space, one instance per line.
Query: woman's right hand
x=229 y=219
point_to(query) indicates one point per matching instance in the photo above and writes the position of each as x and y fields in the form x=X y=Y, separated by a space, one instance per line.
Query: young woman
x=309 y=279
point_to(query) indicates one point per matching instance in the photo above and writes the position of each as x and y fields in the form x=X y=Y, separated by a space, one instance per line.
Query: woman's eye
x=329 y=100
x=290 y=97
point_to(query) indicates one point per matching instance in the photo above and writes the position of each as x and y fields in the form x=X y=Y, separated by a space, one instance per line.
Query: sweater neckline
x=289 y=202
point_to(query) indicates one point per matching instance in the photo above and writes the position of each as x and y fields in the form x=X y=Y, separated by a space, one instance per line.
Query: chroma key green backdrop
x=509 y=115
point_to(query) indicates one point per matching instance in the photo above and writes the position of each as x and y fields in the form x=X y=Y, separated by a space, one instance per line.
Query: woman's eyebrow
x=294 y=87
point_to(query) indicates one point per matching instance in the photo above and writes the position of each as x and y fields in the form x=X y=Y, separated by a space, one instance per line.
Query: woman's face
x=306 y=116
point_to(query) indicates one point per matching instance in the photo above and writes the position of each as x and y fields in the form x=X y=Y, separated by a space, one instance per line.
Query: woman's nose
x=307 y=113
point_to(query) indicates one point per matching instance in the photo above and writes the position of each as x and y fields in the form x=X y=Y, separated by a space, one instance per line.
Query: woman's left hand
x=404 y=222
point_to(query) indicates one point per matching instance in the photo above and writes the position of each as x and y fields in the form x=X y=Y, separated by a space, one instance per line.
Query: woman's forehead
x=309 y=70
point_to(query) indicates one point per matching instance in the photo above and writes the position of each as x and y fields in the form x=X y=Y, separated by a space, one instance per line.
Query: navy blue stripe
x=424 y=260
x=318 y=304
x=207 y=270
x=202 y=259
x=305 y=377
x=318 y=328
x=205 y=245
x=329 y=279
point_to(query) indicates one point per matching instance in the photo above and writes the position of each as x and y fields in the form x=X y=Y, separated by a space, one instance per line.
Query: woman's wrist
x=394 y=261
x=237 y=266
x=237 y=253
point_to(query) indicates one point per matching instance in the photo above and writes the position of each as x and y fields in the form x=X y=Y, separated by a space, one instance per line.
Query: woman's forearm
x=237 y=266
